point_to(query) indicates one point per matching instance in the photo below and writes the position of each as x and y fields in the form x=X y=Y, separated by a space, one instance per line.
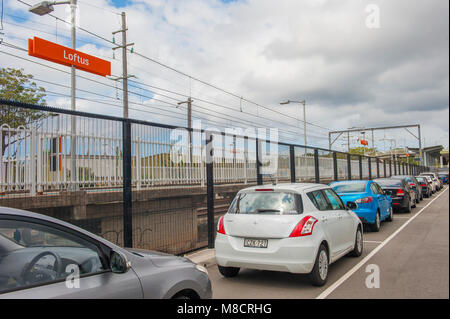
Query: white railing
x=39 y=160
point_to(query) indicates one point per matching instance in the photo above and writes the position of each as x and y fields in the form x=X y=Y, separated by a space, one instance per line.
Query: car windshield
x=268 y=203
x=353 y=187
x=389 y=182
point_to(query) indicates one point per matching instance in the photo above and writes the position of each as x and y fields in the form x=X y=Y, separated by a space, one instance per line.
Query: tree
x=17 y=86
x=361 y=150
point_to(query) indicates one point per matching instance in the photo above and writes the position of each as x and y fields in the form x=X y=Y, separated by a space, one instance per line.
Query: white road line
x=341 y=280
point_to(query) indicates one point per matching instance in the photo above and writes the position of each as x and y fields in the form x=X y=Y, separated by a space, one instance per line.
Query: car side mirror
x=352 y=205
x=119 y=263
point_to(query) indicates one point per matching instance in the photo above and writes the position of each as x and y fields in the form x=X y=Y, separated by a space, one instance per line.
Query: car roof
x=353 y=181
x=297 y=187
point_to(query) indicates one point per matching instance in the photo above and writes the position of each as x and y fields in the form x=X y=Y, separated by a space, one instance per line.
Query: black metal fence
x=137 y=183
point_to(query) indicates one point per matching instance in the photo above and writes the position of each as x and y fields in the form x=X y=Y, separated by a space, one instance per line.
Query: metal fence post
x=127 y=194
x=378 y=167
x=292 y=162
x=316 y=165
x=349 y=167
x=360 y=168
x=33 y=162
x=335 y=166
x=259 y=179
x=210 y=187
x=245 y=159
x=39 y=181
x=138 y=164
x=390 y=168
x=369 y=162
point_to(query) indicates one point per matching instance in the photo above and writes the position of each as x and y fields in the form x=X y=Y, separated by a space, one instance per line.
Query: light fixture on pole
x=43 y=8
x=303 y=102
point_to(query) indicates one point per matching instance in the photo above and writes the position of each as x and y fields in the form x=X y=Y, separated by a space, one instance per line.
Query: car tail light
x=220 y=226
x=423 y=185
x=412 y=184
x=364 y=200
x=400 y=192
x=304 y=227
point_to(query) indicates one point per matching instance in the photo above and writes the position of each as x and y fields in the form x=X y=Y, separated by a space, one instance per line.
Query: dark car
x=403 y=197
x=427 y=189
x=414 y=184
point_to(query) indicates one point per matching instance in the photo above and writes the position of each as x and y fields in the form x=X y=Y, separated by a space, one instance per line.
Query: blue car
x=443 y=177
x=374 y=206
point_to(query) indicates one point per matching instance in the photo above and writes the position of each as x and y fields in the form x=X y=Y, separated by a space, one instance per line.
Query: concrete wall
x=168 y=220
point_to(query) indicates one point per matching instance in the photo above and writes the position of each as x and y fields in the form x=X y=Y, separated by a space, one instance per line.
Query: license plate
x=256 y=243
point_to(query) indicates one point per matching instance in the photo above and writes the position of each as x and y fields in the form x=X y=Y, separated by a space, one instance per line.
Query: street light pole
x=303 y=102
x=43 y=8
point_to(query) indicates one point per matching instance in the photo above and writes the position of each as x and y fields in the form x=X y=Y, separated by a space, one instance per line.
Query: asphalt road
x=411 y=254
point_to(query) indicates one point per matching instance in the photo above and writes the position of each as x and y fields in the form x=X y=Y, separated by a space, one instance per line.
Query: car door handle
x=324 y=219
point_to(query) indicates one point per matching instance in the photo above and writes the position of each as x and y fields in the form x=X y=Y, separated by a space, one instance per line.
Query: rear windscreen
x=349 y=187
x=389 y=182
x=268 y=203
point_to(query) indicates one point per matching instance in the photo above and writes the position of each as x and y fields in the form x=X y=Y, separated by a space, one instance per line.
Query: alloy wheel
x=323 y=265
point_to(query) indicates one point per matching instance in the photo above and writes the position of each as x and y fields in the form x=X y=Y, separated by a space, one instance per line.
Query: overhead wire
x=187 y=75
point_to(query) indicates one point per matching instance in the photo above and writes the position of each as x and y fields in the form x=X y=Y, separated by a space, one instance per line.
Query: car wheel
x=375 y=227
x=357 y=250
x=228 y=271
x=408 y=209
x=391 y=215
x=319 y=275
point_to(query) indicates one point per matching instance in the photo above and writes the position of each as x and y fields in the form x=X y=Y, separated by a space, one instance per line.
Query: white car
x=298 y=228
x=434 y=178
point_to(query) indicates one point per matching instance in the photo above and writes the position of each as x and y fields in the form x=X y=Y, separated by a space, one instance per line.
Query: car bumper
x=294 y=255
x=367 y=216
x=399 y=203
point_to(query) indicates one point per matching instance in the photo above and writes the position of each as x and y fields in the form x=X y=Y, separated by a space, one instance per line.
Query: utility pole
x=348 y=142
x=125 y=75
x=189 y=125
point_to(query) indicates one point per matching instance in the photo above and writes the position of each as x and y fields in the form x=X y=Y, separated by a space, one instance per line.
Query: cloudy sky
x=356 y=63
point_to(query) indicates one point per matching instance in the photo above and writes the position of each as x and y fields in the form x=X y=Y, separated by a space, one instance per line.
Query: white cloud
x=269 y=51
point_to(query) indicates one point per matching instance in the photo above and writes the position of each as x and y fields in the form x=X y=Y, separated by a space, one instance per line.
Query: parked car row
x=298 y=228
x=303 y=228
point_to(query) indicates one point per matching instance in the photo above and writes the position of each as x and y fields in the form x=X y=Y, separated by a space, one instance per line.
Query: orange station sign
x=53 y=52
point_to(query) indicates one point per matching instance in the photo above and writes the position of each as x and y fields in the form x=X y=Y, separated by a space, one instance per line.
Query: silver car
x=42 y=257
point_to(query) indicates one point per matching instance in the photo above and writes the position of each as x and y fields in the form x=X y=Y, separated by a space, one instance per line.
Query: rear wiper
x=267 y=210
